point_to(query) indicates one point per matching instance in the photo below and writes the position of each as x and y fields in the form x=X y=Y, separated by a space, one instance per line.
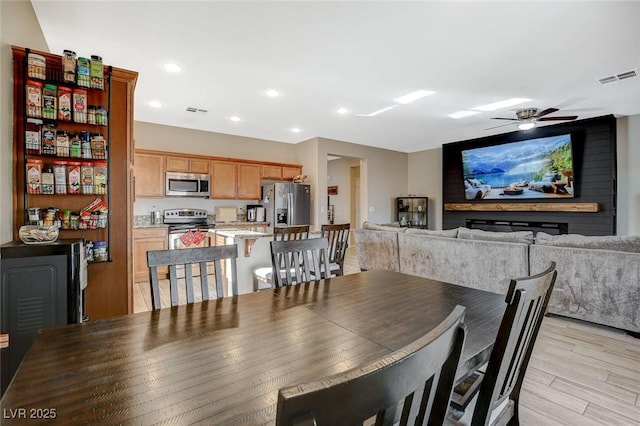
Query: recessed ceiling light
x=342 y=111
x=295 y=130
x=501 y=104
x=172 y=68
x=380 y=111
x=234 y=118
x=413 y=96
x=273 y=93
x=462 y=114
x=155 y=104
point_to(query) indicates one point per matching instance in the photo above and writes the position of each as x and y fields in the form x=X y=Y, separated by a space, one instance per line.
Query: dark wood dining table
x=223 y=361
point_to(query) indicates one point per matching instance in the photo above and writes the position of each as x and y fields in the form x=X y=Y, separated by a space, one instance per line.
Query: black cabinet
x=412 y=211
x=41 y=286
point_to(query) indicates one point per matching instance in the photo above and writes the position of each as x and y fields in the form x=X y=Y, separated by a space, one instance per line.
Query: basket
x=36 y=234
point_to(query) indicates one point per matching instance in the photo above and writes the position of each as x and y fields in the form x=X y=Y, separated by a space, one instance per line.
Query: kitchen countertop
x=225 y=224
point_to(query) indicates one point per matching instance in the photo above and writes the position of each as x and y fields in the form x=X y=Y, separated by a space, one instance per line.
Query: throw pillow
x=525 y=237
x=629 y=243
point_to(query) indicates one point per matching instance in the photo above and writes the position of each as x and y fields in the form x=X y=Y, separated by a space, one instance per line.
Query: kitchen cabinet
x=412 y=211
x=187 y=164
x=288 y=172
x=249 y=186
x=145 y=239
x=109 y=283
x=271 y=172
x=149 y=175
x=223 y=180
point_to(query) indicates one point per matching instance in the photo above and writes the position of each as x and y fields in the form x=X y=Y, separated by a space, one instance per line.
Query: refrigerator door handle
x=289 y=208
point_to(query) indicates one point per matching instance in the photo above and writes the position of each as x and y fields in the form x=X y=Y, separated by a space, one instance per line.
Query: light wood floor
x=579 y=373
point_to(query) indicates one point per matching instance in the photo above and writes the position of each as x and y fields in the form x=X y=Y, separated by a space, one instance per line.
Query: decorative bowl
x=36 y=234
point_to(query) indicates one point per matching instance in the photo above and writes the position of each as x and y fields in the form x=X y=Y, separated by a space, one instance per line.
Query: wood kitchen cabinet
x=145 y=239
x=187 y=164
x=149 y=175
x=223 y=180
x=288 y=173
x=271 y=172
x=249 y=187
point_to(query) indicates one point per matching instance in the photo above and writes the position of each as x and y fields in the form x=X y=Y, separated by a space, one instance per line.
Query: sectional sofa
x=598 y=277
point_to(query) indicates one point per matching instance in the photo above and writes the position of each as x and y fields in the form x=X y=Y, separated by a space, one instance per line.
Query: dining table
x=223 y=361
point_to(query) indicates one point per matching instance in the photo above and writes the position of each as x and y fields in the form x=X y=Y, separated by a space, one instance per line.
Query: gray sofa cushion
x=525 y=237
x=376 y=227
x=609 y=242
x=485 y=265
x=377 y=249
x=449 y=233
x=595 y=285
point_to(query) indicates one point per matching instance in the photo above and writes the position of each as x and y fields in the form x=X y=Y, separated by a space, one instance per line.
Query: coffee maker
x=255 y=213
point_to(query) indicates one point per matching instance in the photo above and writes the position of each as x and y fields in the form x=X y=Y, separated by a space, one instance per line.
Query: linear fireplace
x=517 y=225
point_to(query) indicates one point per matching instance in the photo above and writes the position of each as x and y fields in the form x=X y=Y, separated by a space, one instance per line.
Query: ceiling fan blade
x=501 y=118
x=566 y=117
x=545 y=112
x=502 y=125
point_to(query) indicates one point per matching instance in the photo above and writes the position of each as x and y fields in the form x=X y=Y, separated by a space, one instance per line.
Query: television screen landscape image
x=533 y=168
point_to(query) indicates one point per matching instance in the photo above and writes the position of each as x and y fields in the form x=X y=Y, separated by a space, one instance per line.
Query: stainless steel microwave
x=187 y=185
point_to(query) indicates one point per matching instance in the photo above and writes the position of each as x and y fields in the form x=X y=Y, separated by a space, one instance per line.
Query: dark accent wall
x=594 y=158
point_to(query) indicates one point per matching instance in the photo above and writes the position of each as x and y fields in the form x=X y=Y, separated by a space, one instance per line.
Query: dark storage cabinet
x=412 y=211
x=40 y=287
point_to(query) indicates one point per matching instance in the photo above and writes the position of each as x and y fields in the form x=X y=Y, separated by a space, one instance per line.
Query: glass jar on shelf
x=50 y=101
x=74 y=180
x=34 y=176
x=64 y=103
x=100 y=177
x=60 y=176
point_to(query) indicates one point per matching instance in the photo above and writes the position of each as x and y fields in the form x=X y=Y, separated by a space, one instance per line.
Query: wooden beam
x=524 y=207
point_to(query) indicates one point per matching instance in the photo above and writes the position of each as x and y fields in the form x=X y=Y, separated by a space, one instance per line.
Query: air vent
x=618 y=77
x=194 y=109
x=627 y=74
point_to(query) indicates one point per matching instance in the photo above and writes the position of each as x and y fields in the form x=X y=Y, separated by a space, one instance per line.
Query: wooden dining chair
x=497 y=400
x=299 y=261
x=410 y=386
x=338 y=237
x=282 y=233
x=185 y=258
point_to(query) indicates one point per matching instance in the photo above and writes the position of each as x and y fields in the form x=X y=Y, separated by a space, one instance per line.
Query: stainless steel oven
x=186 y=185
x=188 y=228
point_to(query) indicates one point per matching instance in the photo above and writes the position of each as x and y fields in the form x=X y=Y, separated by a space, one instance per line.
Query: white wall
x=628 y=150
x=19 y=27
x=383 y=176
x=340 y=175
x=425 y=179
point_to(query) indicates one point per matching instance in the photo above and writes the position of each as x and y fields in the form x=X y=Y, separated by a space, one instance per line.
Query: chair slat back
x=418 y=377
x=298 y=261
x=286 y=233
x=186 y=258
x=338 y=237
x=527 y=301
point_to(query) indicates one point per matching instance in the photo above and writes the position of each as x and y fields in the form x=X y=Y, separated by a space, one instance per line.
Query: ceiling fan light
x=526 y=125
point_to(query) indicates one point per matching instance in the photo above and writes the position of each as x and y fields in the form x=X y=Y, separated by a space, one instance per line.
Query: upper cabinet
x=289 y=172
x=187 y=164
x=270 y=171
x=231 y=179
x=249 y=187
x=223 y=180
x=149 y=175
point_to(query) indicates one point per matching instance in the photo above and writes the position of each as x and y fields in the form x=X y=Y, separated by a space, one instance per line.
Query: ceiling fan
x=527 y=117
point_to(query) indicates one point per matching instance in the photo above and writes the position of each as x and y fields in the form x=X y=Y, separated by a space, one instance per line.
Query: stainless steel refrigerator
x=287 y=204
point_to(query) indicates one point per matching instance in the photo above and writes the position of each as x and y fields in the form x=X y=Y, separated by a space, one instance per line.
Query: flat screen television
x=528 y=169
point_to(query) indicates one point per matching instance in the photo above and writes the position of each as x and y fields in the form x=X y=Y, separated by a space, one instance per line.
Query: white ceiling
x=360 y=55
